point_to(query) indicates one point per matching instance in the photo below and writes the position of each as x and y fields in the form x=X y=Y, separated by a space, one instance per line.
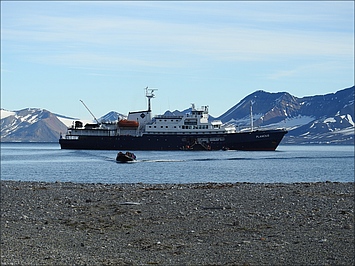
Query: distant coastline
x=319 y=119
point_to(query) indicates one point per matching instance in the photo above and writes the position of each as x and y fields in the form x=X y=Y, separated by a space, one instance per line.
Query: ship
x=191 y=131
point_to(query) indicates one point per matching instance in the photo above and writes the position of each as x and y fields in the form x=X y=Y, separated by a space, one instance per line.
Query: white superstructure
x=195 y=122
x=142 y=122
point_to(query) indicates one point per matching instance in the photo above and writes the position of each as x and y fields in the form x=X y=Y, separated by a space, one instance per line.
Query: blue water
x=289 y=164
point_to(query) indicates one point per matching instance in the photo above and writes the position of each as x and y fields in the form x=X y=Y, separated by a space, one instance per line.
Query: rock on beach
x=177 y=224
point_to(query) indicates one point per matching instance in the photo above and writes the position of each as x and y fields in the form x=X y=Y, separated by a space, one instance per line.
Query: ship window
x=161 y=126
x=167 y=127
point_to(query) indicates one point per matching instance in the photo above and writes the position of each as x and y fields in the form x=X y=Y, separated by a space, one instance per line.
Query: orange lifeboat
x=128 y=123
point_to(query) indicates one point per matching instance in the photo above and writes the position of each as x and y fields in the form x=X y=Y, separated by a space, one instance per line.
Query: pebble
x=177 y=224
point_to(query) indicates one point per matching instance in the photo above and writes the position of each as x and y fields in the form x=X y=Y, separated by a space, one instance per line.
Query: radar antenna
x=149 y=93
x=87 y=108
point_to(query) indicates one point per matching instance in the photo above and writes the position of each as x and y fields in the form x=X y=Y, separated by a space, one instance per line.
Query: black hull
x=267 y=140
x=124 y=159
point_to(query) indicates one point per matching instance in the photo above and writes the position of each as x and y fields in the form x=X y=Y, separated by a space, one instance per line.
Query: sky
x=54 y=54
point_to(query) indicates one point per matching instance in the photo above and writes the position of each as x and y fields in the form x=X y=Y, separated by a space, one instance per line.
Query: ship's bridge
x=142 y=117
x=195 y=122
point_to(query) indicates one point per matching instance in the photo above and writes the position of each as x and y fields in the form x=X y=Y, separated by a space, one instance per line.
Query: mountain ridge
x=320 y=119
x=31 y=125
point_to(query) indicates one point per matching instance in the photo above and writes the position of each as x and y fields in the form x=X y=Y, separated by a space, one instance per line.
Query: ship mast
x=149 y=94
x=251 y=117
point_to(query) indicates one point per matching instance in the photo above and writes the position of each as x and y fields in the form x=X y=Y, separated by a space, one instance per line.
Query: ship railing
x=258 y=128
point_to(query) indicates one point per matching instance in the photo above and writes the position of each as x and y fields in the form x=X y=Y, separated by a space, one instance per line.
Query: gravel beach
x=174 y=224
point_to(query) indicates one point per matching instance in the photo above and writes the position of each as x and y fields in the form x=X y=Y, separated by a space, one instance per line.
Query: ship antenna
x=90 y=112
x=251 y=116
x=149 y=94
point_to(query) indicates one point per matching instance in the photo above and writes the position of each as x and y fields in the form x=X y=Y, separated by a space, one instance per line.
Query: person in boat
x=130 y=155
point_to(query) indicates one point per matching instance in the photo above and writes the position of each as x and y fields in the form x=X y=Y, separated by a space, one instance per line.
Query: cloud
x=282 y=73
x=304 y=69
x=148 y=41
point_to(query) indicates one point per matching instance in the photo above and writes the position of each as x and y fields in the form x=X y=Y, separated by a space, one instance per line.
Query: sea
x=46 y=162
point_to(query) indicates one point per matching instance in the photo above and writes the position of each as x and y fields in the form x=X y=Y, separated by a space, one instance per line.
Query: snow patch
x=330 y=120
x=6 y=113
x=33 y=119
x=350 y=119
x=293 y=122
x=345 y=131
x=66 y=121
x=69 y=122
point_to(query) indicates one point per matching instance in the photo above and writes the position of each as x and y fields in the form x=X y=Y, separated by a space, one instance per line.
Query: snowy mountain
x=39 y=125
x=315 y=119
x=30 y=125
x=112 y=116
x=177 y=112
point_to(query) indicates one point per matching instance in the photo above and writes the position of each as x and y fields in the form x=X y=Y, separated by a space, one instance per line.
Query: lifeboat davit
x=128 y=123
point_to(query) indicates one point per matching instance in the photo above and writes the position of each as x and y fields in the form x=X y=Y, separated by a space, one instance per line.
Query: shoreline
x=168 y=224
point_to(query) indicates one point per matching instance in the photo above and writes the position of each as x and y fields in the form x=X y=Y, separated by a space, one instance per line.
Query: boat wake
x=232 y=159
x=162 y=161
